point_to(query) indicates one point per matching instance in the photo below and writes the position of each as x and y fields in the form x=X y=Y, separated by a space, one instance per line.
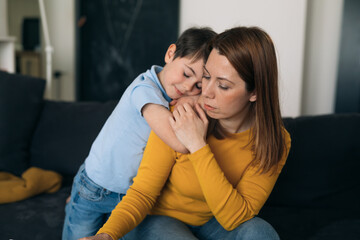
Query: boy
x=115 y=155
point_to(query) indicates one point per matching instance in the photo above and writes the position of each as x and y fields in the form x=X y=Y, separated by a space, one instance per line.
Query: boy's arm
x=157 y=117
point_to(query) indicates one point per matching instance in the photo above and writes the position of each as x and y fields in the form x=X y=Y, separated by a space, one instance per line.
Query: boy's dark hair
x=194 y=43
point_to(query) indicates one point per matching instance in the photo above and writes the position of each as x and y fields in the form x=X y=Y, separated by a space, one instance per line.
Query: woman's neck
x=240 y=123
x=236 y=125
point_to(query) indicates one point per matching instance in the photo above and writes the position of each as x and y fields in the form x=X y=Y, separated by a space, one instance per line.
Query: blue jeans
x=163 y=228
x=89 y=207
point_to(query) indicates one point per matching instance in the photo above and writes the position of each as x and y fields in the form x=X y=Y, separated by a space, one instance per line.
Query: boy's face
x=181 y=76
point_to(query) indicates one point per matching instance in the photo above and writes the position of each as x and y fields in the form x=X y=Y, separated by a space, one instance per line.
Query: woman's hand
x=192 y=100
x=101 y=236
x=189 y=126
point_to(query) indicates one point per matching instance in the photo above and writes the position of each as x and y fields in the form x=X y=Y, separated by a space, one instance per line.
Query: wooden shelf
x=29 y=63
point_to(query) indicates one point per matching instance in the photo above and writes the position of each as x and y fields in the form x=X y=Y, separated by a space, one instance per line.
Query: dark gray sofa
x=316 y=197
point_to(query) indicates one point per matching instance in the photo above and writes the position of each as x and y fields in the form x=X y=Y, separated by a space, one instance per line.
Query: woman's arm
x=153 y=172
x=230 y=205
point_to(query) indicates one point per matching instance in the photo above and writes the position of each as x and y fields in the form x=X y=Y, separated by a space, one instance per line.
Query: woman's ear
x=170 y=53
x=252 y=97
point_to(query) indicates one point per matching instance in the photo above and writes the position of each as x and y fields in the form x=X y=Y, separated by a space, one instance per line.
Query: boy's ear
x=170 y=53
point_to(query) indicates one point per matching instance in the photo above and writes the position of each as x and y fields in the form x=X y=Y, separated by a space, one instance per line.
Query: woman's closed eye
x=223 y=86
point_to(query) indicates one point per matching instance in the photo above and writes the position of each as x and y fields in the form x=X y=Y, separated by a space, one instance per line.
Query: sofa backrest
x=65 y=132
x=21 y=99
x=323 y=167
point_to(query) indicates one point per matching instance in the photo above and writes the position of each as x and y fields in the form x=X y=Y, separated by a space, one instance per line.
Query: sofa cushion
x=65 y=132
x=21 y=99
x=322 y=169
x=294 y=223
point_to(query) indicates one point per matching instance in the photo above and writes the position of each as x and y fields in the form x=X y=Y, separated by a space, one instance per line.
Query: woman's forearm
x=230 y=205
x=128 y=214
x=140 y=198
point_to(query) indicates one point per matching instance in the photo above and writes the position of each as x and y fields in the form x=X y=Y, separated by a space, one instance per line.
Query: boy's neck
x=160 y=77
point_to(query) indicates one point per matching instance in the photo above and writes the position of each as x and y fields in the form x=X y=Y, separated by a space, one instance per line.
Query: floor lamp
x=48 y=50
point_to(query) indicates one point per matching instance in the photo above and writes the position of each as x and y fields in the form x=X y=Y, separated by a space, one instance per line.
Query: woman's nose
x=208 y=89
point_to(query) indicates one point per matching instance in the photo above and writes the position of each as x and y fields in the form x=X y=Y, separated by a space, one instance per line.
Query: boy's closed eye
x=186 y=75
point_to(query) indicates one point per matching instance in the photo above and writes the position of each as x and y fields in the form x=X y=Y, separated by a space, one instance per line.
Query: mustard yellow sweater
x=214 y=181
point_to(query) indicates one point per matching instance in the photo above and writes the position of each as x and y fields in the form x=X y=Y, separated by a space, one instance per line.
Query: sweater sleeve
x=153 y=172
x=231 y=205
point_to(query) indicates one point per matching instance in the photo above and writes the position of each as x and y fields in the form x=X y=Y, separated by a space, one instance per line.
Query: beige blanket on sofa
x=32 y=182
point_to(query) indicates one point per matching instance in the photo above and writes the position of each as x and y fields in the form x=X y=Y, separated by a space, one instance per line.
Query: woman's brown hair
x=251 y=52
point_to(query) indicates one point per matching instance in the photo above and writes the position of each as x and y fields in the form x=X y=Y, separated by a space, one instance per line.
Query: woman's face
x=223 y=91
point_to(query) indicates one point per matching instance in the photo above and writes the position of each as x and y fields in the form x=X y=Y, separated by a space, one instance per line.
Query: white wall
x=321 y=56
x=17 y=10
x=283 y=20
x=61 y=22
x=314 y=60
x=3 y=19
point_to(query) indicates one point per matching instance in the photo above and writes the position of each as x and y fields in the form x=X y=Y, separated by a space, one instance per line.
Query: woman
x=216 y=191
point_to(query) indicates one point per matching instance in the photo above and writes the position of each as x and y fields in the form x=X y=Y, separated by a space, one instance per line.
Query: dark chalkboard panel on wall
x=348 y=82
x=119 y=39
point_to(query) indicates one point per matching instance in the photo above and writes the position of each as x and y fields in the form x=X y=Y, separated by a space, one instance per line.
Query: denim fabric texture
x=164 y=228
x=89 y=207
